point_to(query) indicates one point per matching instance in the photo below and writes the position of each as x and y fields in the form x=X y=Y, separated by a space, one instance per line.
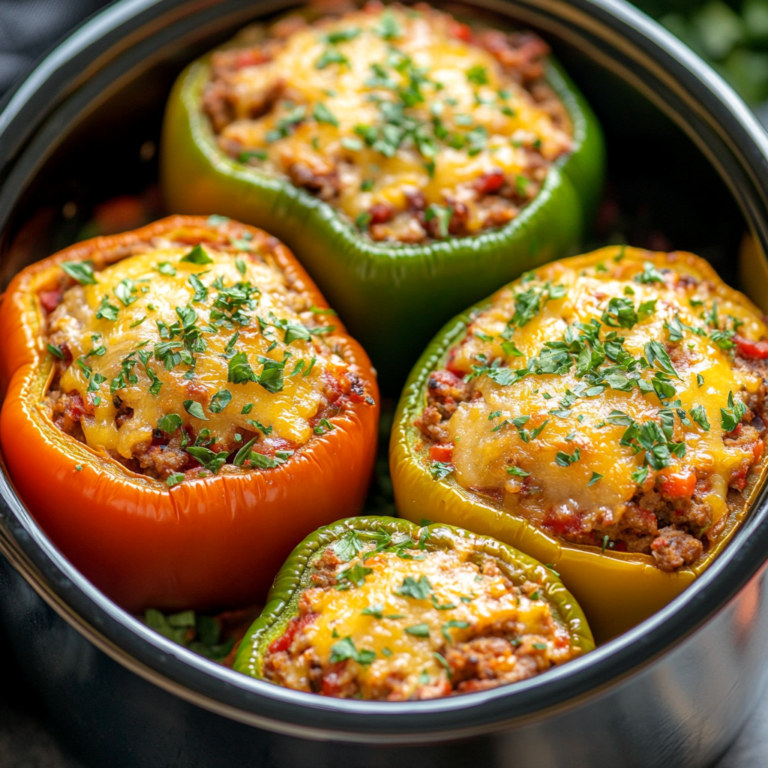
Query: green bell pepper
x=392 y=297
x=296 y=576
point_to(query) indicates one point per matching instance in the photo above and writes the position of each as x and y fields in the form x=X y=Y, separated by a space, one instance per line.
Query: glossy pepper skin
x=406 y=290
x=295 y=576
x=617 y=590
x=205 y=543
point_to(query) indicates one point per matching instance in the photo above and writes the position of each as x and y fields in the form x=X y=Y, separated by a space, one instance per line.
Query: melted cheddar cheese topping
x=391 y=103
x=213 y=341
x=599 y=377
x=393 y=616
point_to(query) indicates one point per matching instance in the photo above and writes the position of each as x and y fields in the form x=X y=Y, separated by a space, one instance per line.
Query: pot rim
x=722 y=127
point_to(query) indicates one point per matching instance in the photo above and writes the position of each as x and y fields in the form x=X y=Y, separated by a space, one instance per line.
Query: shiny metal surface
x=674 y=691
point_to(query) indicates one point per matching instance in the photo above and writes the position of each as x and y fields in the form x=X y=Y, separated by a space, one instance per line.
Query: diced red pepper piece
x=50 y=300
x=442 y=452
x=460 y=31
x=748 y=348
x=678 y=485
x=283 y=643
x=490 y=182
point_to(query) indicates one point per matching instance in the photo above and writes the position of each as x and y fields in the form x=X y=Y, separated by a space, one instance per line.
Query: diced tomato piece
x=283 y=643
x=739 y=478
x=442 y=452
x=332 y=681
x=460 y=31
x=50 y=300
x=490 y=182
x=757 y=449
x=381 y=213
x=678 y=485
x=75 y=408
x=250 y=58
x=748 y=348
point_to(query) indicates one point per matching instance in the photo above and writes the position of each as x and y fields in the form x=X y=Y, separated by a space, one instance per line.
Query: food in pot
x=405 y=120
x=427 y=160
x=381 y=609
x=181 y=402
x=614 y=402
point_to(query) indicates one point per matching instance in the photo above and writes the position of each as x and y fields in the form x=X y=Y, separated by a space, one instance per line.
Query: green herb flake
x=81 y=271
x=174 y=479
x=169 y=423
x=198 y=255
x=220 y=401
x=418 y=590
x=345 y=649
x=517 y=472
x=195 y=409
x=418 y=630
x=595 y=477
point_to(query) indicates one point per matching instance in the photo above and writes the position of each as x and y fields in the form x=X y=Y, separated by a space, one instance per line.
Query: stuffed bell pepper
x=381 y=609
x=605 y=414
x=181 y=407
x=414 y=162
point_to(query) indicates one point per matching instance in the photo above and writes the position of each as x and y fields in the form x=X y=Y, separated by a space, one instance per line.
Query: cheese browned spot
x=178 y=356
x=406 y=120
x=611 y=402
x=415 y=624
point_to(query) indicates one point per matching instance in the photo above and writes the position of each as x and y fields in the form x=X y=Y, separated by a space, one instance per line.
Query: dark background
x=732 y=36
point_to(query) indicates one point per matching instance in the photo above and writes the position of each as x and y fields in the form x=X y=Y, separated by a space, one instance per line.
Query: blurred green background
x=731 y=35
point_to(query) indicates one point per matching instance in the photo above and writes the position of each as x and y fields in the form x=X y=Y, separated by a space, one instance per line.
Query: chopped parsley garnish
x=212 y=461
x=639 y=476
x=323 y=427
x=322 y=114
x=699 y=415
x=55 y=351
x=418 y=630
x=649 y=275
x=174 y=479
x=169 y=423
x=260 y=427
x=262 y=461
x=345 y=649
x=81 y=271
x=453 y=624
x=419 y=590
x=198 y=255
x=517 y=472
x=732 y=415
x=477 y=75
x=330 y=56
x=347 y=547
x=595 y=477
x=354 y=575
x=242 y=455
x=442 y=214
x=271 y=376
x=240 y=372
x=195 y=409
x=220 y=401
x=439 y=469
x=106 y=311
x=563 y=459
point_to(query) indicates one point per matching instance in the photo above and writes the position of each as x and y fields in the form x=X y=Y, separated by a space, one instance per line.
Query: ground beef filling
x=183 y=448
x=421 y=640
x=670 y=516
x=265 y=118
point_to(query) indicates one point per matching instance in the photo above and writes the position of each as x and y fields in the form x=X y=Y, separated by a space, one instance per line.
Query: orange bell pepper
x=203 y=543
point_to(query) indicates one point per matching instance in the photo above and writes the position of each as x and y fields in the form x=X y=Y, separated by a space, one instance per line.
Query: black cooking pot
x=685 y=156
